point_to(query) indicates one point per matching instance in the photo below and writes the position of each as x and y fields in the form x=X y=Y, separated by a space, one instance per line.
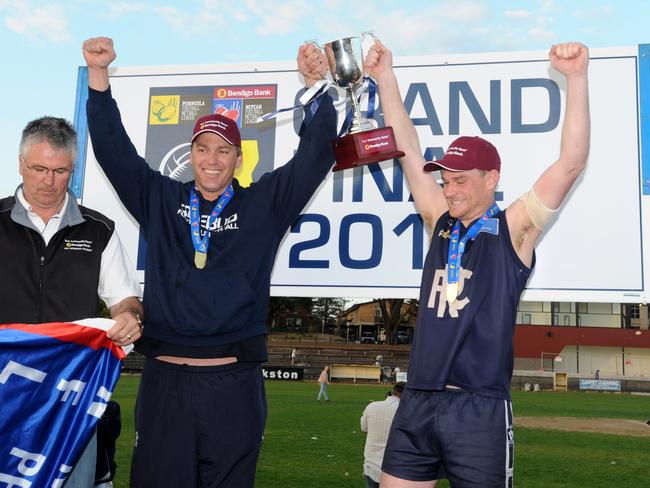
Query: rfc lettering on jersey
x=438 y=296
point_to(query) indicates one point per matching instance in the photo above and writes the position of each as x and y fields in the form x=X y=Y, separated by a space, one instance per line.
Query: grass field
x=313 y=445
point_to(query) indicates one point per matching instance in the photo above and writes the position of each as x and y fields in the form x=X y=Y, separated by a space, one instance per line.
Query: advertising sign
x=361 y=235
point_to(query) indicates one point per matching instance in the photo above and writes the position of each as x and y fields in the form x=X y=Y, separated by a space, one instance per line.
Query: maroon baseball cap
x=467 y=153
x=220 y=125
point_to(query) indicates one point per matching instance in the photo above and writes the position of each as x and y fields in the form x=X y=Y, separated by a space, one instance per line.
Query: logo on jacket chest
x=445 y=232
x=438 y=294
x=77 y=245
x=220 y=224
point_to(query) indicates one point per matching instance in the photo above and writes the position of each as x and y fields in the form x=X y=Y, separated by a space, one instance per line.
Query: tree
x=326 y=310
x=279 y=306
x=393 y=313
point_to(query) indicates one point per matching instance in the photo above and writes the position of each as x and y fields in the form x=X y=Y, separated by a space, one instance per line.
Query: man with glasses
x=47 y=277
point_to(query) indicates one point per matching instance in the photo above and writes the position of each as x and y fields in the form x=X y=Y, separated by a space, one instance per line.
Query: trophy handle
x=365 y=34
x=313 y=41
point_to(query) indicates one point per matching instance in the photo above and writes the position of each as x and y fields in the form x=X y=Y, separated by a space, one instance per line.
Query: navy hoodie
x=227 y=301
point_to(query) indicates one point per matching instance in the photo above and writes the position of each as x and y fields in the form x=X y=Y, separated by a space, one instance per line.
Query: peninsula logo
x=164 y=109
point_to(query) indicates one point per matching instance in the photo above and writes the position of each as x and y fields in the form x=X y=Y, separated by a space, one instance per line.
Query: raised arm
x=570 y=59
x=428 y=195
x=99 y=54
x=294 y=183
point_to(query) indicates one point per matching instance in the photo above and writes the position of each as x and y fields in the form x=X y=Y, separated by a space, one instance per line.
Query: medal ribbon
x=457 y=246
x=201 y=245
x=312 y=94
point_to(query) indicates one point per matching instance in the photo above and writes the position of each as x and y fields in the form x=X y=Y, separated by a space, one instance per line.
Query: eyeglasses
x=43 y=171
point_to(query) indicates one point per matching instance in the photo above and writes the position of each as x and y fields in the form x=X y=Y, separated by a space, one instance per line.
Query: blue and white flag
x=55 y=382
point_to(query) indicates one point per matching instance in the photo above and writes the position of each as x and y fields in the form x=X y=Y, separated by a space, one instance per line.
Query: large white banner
x=360 y=235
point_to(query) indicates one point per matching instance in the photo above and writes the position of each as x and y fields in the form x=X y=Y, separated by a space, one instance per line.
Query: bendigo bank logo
x=163 y=109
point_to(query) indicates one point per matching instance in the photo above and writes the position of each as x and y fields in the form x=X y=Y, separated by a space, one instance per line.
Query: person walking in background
x=324 y=380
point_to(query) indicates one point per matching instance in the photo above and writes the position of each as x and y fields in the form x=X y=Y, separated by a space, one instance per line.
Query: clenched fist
x=98 y=52
x=569 y=58
x=379 y=60
x=312 y=63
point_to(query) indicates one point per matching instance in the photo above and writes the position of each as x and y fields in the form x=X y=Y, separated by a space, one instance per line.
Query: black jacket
x=57 y=283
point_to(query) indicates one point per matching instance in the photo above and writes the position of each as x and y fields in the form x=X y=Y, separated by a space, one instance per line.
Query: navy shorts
x=467 y=436
x=198 y=425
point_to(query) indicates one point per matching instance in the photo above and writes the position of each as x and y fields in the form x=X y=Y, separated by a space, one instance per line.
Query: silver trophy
x=345 y=62
x=364 y=143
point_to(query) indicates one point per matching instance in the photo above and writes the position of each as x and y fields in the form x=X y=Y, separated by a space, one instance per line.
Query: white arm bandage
x=537 y=211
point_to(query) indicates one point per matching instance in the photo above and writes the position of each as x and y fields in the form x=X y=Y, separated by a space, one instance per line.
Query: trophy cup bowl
x=345 y=60
x=359 y=146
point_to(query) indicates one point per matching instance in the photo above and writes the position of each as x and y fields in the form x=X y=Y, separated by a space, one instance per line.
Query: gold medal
x=200 y=258
x=452 y=292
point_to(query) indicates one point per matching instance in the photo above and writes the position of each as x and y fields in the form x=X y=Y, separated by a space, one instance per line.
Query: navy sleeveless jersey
x=468 y=343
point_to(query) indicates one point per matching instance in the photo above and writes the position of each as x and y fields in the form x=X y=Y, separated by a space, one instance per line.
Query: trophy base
x=360 y=148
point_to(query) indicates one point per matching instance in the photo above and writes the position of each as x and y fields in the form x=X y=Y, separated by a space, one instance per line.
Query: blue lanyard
x=201 y=245
x=457 y=248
